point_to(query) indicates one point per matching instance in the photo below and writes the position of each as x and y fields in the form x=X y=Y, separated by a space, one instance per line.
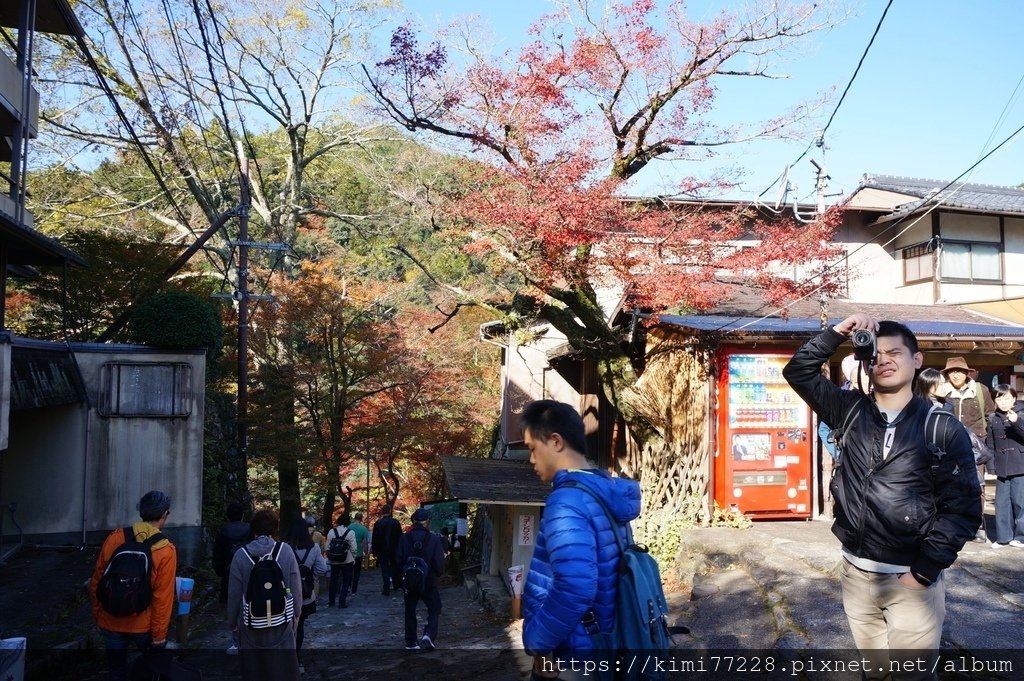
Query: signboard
x=526 y=529
x=448 y=519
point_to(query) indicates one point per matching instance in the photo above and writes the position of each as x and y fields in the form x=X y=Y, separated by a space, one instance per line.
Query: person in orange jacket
x=146 y=629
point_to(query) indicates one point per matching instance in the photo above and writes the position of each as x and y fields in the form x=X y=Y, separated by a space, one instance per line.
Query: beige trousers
x=898 y=628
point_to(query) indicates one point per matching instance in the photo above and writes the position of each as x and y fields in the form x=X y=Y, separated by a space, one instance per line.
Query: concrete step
x=775 y=587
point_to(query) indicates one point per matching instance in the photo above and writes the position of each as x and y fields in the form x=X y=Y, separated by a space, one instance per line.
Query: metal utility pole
x=243 y=313
x=820 y=185
x=242 y=297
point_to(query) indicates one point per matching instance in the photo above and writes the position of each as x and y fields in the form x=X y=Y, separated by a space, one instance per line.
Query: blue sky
x=941 y=79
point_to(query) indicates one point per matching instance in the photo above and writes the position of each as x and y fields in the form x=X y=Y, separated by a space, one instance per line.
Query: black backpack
x=415 y=571
x=125 y=589
x=267 y=601
x=338 y=551
x=308 y=578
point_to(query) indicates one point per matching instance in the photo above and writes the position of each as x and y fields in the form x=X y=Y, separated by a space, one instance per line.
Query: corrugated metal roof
x=494 y=481
x=923 y=328
x=983 y=197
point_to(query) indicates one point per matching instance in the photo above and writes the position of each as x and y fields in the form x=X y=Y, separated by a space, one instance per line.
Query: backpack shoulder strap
x=932 y=422
x=153 y=539
x=615 y=525
x=981 y=404
x=838 y=435
x=129 y=534
x=347 y=532
x=306 y=555
x=275 y=552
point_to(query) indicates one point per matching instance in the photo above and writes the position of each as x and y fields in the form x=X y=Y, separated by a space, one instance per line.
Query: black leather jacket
x=910 y=508
x=1007 y=441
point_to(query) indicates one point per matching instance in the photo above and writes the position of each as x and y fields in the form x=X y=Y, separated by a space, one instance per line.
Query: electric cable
x=143 y=46
x=842 y=97
x=241 y=116
x=941 y=199
x=123 y=118
x=187 y=81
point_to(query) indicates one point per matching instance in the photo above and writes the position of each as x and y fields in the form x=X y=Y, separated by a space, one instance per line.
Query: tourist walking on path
x=123 y=618
x=312 y=566
x=971 y=403
x=571 y=588
x=384 y=545
x=267 y=648
x=1006 y=438
x=341 y=554
x=421 y=555
x=361 y=533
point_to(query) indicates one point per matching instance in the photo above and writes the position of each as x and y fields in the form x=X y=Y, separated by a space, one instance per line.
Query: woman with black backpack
x=312 y=566
x=263 y=591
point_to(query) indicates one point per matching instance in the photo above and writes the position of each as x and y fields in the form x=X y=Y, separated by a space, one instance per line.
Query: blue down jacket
x=575 y=561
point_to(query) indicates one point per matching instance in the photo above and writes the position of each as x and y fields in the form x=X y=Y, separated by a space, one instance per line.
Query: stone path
x=365 y=641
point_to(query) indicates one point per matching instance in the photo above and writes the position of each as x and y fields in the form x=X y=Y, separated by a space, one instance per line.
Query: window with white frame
x=966 y=261
x=145 y=389
x=918 y=263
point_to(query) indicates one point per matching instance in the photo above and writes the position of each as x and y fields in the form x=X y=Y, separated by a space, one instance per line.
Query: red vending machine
x=763 y=459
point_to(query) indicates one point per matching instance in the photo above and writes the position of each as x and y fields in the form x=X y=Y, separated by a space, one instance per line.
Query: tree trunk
x=288 y=487
x=668 y=412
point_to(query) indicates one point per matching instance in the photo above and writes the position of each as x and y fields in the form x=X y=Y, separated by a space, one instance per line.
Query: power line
x=241 y=116
x=821 y=135
x=940 y=200
x=192 y=96
x=123 y=118
x=155 y=71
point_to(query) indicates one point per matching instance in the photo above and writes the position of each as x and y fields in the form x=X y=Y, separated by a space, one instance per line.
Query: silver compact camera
x=865 y=348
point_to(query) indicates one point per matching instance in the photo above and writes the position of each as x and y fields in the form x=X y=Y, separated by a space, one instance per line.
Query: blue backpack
x=641 y=611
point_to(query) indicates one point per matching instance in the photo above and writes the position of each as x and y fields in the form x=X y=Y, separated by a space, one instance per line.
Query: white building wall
x=1013 y=257
x=75 y=475
x=528 y=377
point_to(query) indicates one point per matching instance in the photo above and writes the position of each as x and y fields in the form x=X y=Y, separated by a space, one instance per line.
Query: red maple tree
x=556 y=130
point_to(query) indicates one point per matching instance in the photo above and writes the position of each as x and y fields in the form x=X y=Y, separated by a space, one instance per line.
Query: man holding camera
x=902 y=511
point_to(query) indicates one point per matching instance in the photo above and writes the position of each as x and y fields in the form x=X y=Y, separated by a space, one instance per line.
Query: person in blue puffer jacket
x=573 y=573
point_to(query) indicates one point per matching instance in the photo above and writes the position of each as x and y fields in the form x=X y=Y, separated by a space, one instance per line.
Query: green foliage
x=176 y=319
x=120 y=268
x=728 y=517
x=661 y=532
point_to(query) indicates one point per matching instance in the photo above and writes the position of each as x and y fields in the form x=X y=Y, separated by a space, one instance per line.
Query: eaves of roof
x=26 y=246
x=52 y=16
x=801 y=328
x=494 y=481
x=967 y=196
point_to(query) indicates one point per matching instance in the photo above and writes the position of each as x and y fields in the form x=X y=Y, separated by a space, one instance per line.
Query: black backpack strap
x=305 y=556
x=838 y=434
x=129 y=534
x=153 y=539
x=276 y=551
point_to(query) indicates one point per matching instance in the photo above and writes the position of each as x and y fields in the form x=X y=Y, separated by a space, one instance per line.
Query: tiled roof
x=744 y=311
x=922 y=328
x=493 y=481
x=742 y=300
x=983 y=197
